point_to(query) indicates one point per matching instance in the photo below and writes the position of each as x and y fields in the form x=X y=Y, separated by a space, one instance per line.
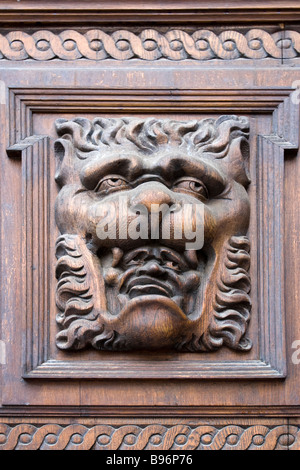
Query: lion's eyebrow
x=132 y=166
x=128 y=166
x=177 y=166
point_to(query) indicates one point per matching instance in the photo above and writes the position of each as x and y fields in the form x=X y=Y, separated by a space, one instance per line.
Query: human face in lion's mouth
x=157 y=271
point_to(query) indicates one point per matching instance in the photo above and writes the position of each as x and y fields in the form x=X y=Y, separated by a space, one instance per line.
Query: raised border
x=33 y=152
x=275 y=102
x=150 y=11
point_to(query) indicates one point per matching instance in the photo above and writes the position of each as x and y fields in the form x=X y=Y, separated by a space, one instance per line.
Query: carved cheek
x=191 y=222
x=107 y=221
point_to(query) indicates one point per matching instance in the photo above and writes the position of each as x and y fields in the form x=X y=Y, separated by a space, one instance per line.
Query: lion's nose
x=152 y=195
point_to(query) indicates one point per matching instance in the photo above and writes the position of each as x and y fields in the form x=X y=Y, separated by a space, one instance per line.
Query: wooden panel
x=41 y=364
x=30 y=106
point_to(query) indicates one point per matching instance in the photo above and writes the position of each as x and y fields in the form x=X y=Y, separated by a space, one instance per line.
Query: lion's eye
x=193 y=186
x=111 y=183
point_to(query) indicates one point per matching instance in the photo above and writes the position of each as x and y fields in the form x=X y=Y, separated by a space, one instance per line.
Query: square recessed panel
x=267 y=110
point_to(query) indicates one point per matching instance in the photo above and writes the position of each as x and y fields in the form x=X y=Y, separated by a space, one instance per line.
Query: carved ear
x=64 y=150
x=238 y=160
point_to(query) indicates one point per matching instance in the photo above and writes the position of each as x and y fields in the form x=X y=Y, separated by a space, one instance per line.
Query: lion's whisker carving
x=128 y=287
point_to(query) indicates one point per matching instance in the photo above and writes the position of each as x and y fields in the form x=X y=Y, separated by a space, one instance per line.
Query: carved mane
x=232 y=304
x=76 y=296
x=212 y=136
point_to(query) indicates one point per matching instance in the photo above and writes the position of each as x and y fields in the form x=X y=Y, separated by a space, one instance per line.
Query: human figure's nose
x=151 y=268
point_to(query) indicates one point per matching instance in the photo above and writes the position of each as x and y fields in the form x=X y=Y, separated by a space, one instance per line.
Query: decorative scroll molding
x=149 y=45
x=151 y=437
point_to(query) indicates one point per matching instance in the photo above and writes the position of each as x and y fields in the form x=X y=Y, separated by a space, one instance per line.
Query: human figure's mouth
x=147 y=285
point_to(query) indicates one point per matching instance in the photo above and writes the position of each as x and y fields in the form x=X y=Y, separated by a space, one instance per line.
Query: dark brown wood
x=151 y=11
x=156 y=436
x=142 y=262
x=261 y=101
x=162 y=68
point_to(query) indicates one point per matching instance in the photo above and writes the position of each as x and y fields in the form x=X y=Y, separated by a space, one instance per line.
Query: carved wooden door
x=150 y=221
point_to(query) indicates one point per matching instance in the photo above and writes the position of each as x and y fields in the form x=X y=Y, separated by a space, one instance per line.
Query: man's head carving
x=136 y=196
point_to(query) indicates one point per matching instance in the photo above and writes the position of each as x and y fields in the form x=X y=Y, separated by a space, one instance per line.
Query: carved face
x=153 y=216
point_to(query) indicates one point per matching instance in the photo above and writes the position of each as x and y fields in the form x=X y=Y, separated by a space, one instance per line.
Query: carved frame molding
x=270 y=159
x=150 y=11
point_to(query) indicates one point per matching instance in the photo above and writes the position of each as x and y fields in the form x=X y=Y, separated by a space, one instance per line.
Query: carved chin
x=151 y=322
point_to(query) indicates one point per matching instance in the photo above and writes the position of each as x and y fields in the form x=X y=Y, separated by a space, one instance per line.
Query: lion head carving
x=135 y=195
